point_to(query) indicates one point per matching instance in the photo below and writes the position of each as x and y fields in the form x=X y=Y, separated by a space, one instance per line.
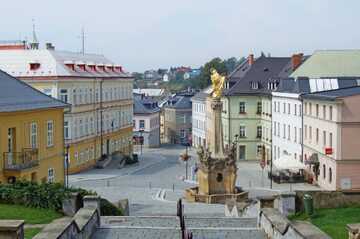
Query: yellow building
x=100 y=93
x=31 y=133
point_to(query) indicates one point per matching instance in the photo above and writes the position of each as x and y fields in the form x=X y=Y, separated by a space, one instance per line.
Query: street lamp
x=236 y=140
x=67 y=164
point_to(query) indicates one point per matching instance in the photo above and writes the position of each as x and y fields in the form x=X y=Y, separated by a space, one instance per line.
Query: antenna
x=82 y=40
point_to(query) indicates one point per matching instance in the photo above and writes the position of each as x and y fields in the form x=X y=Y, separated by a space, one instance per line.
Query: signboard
x=345 y=183
x=328 y=151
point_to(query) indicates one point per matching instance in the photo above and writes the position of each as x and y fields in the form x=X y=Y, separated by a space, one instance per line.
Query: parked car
x=186 y=142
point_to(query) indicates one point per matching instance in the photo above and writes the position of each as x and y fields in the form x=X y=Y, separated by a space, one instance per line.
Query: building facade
x=31 y=133
x=199 y=117
x=100 y=94
x=331 y=127
x=178 y=118
x=146 y=122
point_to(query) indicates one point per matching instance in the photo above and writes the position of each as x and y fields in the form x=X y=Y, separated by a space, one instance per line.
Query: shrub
x=109 y=209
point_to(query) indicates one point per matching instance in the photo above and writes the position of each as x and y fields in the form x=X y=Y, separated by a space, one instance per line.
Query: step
x=134 y=232
x=226 y=222
x=228 y=233
x=141 y=221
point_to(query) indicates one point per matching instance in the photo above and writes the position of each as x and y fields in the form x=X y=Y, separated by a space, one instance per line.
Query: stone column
x=216 y=141
x=92 y=202
x=12 y=229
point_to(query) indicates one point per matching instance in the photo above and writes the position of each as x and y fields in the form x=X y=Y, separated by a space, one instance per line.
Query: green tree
x=204 y=77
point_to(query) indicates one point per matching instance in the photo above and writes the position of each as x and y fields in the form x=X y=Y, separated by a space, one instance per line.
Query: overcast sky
x=152 y=34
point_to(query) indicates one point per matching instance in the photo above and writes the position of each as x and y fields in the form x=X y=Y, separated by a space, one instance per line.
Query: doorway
x=242 y=152
x=11 y=145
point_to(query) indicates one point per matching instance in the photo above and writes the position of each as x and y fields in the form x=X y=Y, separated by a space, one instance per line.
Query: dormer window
x=101 y=67
x=110 y=67
x=69 y=65
x=81 y=65
x=254 y=85
x=34 y=66
x=91 y=66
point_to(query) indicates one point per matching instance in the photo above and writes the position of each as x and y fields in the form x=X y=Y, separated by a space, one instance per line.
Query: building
x=331 y=133
x=246 y=116
x=146 y=121
x=178 y=118
x=199 y=117
x=100 y=94
x=154 y=93
x=31 y=133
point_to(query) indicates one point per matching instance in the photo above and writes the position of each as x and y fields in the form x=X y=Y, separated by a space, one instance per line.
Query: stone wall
x=81 y=226
x=328 y=199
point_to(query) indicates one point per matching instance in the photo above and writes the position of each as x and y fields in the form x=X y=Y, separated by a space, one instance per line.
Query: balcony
x=17 y=161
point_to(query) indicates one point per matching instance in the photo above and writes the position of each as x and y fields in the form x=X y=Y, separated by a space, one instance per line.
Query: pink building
x=331 y=131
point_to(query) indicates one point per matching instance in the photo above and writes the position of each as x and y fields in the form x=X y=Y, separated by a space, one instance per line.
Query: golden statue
x=217 y=83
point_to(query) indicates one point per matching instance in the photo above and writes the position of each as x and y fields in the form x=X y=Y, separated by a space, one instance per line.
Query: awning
x=313 y=159
x=288 y=162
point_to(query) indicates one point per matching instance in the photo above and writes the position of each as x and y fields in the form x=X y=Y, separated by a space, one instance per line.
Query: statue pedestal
x=217 y=166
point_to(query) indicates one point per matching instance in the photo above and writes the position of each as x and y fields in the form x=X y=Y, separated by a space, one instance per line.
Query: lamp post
x=236 y=140
x=186 y=162
x=67 y=164
x=141 y=140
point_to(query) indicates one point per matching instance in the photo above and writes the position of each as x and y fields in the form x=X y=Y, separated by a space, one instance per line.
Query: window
x=305 y=108
x=66 y=130
x=50 y=133
x=98 y=150
x=254 y=85
x=330 y=140
x=295 y=134
x=64 y=96
x=75 y=129
x=85 y=95
x=76 y=159
x=51 y=175
x=242 y=107
x=141 y=124
x=300 y=135
x=317 y=135
x=74 y=97
x=317 y=110
x=284 y=131
x=274 y=106
x=48 y=92
x=87 y=154
x=258 y=131
x=310 y=109
x=278 y=107
x=288 y=132
x=80 y=96
x=91 y=125
x=242 y=132
x=90 y=96
x=259 y=108
x=299 y=110
x=81 y=127
x=274 y=128
x=81 y=156
x=86 y=126
x=305 y=132
x=288 y=108
x=324 y=138
x=324 y=111
x=278 y=129
x=33 y=135
x=182 y=119
x=284 y=108
x=330 y=113
x=310 y=132
x=92 y=153
x=97 y=95
x=330 y=175
x=182 y=133
x=258 y=150
x=295 y=107
x=324 y=171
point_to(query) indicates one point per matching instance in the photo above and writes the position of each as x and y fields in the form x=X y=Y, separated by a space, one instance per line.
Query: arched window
x=330 y=175
x=324 y=171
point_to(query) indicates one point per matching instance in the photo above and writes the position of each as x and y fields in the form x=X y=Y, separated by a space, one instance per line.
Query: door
x=242 y=151
x=11 y=145
x=108 y=146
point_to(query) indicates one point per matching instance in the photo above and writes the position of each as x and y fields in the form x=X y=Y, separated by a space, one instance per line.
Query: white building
x=199 y=117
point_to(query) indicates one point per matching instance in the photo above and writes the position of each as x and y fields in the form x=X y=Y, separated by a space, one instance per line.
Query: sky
x=152 y=34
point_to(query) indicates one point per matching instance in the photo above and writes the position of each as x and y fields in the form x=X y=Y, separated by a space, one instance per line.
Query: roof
x=333 y=94
x=150 y=92
x=263 y=70
x=330 y=63
x=144 y=105
x=202 y=94
x=52 y=63
x=180 y=101
x=18 y=96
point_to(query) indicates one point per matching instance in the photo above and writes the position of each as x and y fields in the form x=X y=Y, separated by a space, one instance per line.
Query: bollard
x=108 y=183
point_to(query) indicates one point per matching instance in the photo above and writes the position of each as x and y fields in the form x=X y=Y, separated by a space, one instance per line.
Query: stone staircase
x=154 y=227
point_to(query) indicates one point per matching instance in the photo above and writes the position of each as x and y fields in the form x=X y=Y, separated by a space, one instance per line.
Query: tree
x=204 y=77
x=231 y=64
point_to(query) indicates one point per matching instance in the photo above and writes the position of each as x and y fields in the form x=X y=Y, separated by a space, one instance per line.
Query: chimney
x=296 y=60
x=49 y=46
x=251 y=59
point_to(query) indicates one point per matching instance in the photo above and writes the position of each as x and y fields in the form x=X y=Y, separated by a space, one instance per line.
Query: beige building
x=100 y=93
x=331 y=137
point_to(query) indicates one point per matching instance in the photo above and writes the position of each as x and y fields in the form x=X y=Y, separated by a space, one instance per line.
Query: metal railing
x=17 y=161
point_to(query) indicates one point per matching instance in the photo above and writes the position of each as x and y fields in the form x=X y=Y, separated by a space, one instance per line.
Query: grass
x=30 y=215
x=332 y=220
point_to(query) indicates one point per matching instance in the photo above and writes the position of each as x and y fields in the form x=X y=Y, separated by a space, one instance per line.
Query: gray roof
x=201 y=96
x=286 y=85
x=145 y=105
x=263 y=70
x=18 y=96
x=333 y=94
x=180 y=101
